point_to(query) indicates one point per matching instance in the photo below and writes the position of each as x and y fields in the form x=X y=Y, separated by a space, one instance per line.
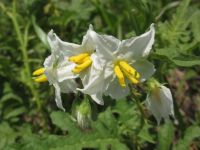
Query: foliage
x=28 y=116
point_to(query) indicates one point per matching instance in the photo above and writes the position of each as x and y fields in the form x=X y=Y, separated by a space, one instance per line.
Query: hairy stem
x=142 y=118
x=23 y=41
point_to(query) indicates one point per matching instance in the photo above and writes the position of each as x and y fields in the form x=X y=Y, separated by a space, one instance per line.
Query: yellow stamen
x=41 y=78
x=120 y=76
x=78 y=58
x=130 y=77
x=38 y=72
x=85 y=59
x=82 y=66
x=125 y=66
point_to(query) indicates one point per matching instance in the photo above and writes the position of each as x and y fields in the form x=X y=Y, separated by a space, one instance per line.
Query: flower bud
x=83 y=114
x=159 y=100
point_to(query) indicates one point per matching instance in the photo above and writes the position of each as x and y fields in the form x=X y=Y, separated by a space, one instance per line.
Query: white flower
x=160 y=102
x=80 y=60
x=54 y=65
x=124 y=63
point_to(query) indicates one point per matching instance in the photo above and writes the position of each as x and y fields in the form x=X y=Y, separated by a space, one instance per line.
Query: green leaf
x=165 y=136
x=145 y=135
x=11 y=96
x=177 y=58
x=15 y=112
x=196 y=25
x=108 y=121
x=8 y=93
x=128 y=114
x=190 y=134
x=102 y=135
x=7 y=135
x=40 y=33
x=187 y=61
x=179 y=36
x=63 y=120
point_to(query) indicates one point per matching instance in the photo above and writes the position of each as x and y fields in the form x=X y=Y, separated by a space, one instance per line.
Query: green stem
x=142 y=118
x=119 y=29
x=105 y=17
x=23 y=47
x=136 y=99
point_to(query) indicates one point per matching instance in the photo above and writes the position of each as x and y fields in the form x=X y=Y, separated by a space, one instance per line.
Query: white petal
x=167 y=100
x=144 y=68
x=95 y=90
x=68 y=86
x=98 y=98
x=105 y=45
x=58 y=46
x=160 y=103
x=88 y=43
x=49 y=71
x=96 y=63
x=96 y=80
x=58 y=69
x=53 y=42
x=137 y=47
x=108 y=70
x=58 y=97
x=154 y=107
x=93 y=77
x=51 y=75
x=93 y=85
x=64 y=71
x=48 y=61
x=116 y=91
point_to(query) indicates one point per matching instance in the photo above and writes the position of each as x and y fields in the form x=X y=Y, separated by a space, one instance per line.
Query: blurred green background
x=29 y=118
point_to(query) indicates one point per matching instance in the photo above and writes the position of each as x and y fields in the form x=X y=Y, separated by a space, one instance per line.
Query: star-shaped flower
x=124 y=63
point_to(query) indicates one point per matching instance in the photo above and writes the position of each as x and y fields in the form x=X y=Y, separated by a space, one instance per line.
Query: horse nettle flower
x=160 y=102
x=67 y=62
x=124 y=62
x=81 y=61
x=54 y=65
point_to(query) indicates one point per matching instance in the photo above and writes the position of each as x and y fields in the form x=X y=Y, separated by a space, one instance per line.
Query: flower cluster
x=106 y=66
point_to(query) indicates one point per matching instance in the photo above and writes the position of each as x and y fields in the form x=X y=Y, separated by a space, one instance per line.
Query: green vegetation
x=29 y=118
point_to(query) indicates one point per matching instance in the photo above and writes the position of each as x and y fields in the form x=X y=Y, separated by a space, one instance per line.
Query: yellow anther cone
x=38 y=72
x=131 y=78
x=120 y=76
x=82 y=66
x=41 y=78
x=85 y=59
x=78 y=58
x=125 y=66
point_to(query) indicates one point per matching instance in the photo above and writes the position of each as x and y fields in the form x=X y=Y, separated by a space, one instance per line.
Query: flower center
x=122 y=69
x=83 y=61
x=41 y=77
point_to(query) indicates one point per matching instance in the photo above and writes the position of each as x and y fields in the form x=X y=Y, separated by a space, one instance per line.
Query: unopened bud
x=83 y=114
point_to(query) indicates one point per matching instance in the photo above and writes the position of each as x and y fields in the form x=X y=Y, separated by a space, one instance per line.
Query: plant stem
x=23 y=47
x=142 y=118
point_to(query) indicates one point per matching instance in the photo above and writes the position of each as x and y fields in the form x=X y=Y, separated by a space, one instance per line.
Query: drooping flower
x=124 y=63
x=159 y=101
x=79 y=61
x=54 y=65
